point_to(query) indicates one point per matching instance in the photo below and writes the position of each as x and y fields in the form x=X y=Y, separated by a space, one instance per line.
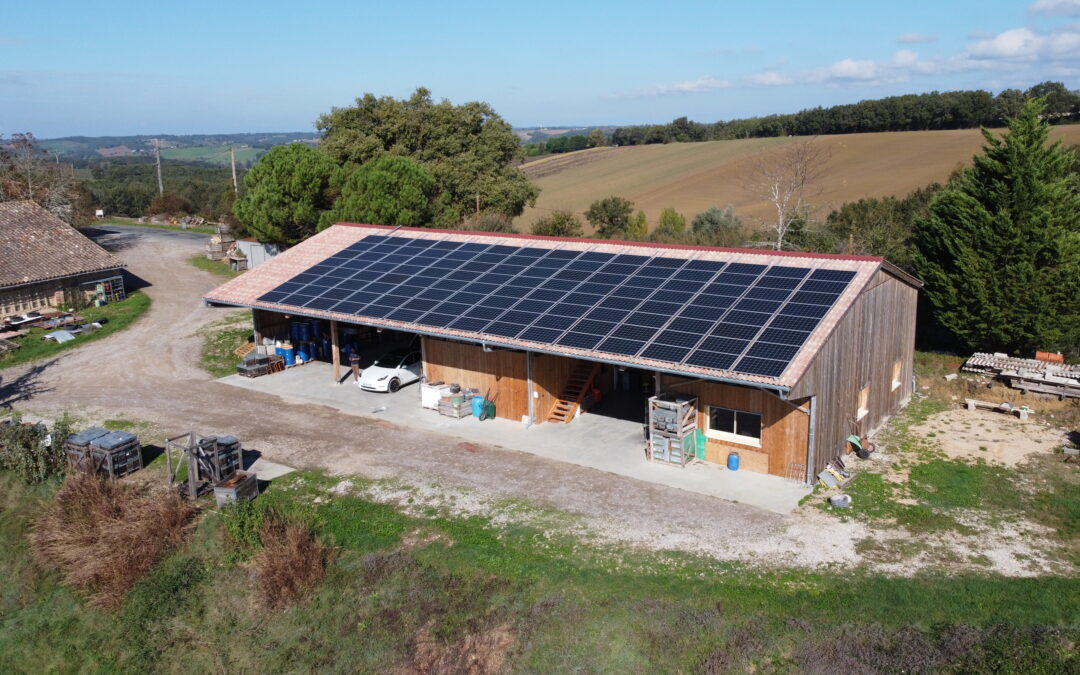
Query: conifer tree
x=999 y=251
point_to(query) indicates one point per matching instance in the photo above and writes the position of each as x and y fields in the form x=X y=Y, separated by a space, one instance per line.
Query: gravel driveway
x=149 y=372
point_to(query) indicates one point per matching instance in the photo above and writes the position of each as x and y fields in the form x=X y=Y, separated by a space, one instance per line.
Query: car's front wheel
x=394 y=385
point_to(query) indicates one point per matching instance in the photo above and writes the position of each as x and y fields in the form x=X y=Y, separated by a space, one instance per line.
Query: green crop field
x=213 y=154
x=691 y=177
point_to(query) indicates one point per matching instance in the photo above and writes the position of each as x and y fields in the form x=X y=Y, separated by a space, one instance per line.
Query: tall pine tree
x=999 y=251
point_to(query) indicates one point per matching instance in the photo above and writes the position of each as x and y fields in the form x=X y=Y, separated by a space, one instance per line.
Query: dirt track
x=148 y=372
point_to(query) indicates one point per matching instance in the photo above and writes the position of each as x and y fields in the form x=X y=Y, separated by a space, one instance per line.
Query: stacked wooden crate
x=223 y=457
x=110 y=453
x=673 y=427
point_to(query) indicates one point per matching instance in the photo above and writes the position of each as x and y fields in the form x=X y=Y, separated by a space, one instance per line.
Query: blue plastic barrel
x=733 y=461
x=279 y=350
x=303 y=352
x=293 y=328
x=303 y=331
x=327 y=349
x=477 y=405
x=316 y=330
x=289 y=354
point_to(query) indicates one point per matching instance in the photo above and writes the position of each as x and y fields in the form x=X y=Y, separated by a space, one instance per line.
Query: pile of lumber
x=1027 y=375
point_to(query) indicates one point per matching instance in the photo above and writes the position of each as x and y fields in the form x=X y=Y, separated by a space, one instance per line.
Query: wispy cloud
x=702 y=84
x=1022 y=53
x=1055 y=7
x=916 y=38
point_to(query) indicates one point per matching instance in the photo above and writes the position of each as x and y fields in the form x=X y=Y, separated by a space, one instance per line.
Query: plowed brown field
x=691 y=177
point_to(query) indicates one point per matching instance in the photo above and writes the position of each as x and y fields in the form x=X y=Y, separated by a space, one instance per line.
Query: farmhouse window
x=864 y=403
x=896 y=369
x=737 y=426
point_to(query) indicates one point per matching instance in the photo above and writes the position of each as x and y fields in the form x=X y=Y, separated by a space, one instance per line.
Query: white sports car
x=391 y=371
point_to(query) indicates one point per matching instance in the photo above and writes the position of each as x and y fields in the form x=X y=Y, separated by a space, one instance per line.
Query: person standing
x=354 y=362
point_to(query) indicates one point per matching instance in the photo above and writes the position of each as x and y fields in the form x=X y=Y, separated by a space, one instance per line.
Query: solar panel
x=666 y=308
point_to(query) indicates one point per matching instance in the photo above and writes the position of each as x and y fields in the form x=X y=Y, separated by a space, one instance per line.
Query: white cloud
x=1055 y=7
x=916 y=38
x=1024 y=44
x=1019 y=54
x=769 y=78
x=702 y=84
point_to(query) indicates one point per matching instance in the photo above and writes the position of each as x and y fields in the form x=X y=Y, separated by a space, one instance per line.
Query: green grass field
x=120 y=315
x=132 y=222
x=402 y=589
x=213 y=154
x=213 y=266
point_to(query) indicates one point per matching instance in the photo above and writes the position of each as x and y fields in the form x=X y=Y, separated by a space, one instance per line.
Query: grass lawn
x=220 y=338
x=202 y=229
x=120 y=315
x=213 y=266
x=405 y=588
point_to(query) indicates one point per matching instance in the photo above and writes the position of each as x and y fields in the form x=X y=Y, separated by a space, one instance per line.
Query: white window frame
x=734 y=437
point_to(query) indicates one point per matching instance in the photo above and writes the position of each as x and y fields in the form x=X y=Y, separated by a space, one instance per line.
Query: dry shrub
x=474 y=654
x=290 y=563
x=104 y=536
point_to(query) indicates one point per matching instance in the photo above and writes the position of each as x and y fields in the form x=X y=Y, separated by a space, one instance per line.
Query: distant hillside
x=202 y=148
x=694 y=176
x=537 y=134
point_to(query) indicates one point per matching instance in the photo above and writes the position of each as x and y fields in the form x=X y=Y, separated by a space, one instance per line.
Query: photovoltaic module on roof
x=733 y=316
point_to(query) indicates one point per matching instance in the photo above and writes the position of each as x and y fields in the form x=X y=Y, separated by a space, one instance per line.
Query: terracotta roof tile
x=37 y=246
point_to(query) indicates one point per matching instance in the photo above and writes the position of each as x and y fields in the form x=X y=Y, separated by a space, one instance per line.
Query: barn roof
x=746 y=316
x=37 y=246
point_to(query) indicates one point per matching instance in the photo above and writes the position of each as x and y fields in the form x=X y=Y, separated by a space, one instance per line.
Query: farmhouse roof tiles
x=37 y=246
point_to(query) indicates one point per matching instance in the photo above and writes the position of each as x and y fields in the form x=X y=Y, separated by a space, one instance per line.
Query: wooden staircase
x=581 y=380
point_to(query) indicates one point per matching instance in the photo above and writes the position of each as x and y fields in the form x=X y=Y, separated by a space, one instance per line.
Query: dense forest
x=126 y=187
x=911 y=112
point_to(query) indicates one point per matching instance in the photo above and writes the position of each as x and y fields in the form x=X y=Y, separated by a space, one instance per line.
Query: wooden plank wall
x=503 y=373
x=784 y=432
x=271 y=324
x=877 y=330
x=550 y=374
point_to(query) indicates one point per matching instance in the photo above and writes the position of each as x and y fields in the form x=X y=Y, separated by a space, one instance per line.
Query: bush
x=169 y=204
x=558 y=224
x=104 y=536
x=489 y=222
x=34 y=455
x=291 y=562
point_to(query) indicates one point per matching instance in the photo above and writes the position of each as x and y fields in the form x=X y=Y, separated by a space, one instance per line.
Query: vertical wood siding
x=877 y=331
x=550 y=375
x=502 y=373
x=784 y=430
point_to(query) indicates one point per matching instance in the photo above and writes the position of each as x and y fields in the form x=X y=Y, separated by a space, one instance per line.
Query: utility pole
x=232 y=157
x=157 y=154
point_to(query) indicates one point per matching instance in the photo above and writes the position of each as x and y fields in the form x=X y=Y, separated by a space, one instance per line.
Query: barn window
x=896 y=369
x=864 y=402
x=738 y=426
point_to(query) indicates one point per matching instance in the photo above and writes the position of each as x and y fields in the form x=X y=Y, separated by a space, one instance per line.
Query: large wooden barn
x=784 y=355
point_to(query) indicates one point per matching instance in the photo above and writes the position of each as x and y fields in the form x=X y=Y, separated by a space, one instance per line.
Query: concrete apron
x=598 y=442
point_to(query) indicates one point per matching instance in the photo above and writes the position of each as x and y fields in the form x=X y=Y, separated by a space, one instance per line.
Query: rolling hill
x=694 y=176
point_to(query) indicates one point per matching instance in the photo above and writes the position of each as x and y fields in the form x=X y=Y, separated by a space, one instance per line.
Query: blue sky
x=117 y=68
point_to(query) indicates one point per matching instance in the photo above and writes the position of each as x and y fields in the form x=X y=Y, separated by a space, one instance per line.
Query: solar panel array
x=740 y=317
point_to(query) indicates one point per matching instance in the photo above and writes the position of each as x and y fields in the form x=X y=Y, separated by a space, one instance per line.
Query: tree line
x=911 y=112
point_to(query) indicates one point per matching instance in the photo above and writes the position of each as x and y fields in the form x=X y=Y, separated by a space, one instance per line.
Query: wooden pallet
x=244 y=349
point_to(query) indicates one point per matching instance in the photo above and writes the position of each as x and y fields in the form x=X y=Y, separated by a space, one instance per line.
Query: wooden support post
x=336 y=356
x=192 y=468
x=257 y=334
